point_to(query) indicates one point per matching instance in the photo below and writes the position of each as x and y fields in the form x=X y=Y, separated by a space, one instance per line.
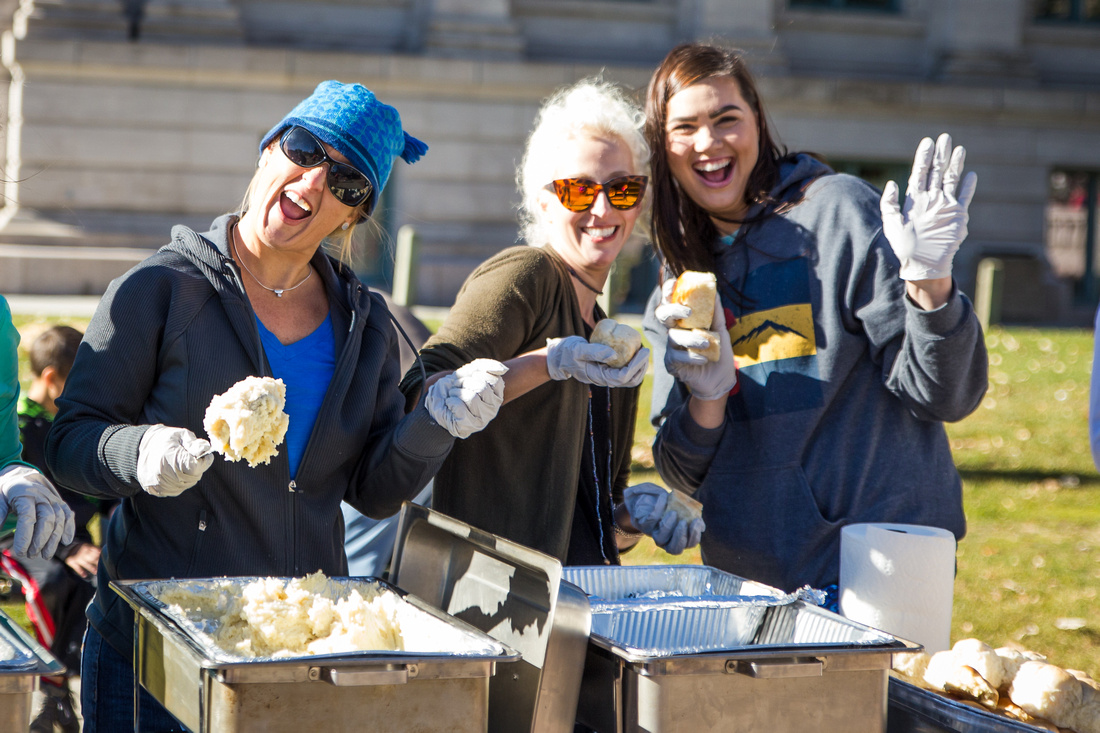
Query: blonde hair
x=591 y=107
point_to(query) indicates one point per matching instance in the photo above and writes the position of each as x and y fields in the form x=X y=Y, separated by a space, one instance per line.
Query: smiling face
x=291 y=208
x=712 y=138
x=589 y=241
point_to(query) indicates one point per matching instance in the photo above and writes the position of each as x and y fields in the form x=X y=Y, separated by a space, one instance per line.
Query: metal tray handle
x=777 y=668
x=398 y=674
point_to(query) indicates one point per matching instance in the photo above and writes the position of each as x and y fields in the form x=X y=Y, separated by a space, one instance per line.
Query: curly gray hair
x=589 y=107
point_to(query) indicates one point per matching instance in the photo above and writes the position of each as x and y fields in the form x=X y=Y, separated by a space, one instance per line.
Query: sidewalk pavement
x=53 y=305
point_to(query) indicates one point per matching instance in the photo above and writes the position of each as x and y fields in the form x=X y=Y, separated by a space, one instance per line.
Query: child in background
x=57 y=589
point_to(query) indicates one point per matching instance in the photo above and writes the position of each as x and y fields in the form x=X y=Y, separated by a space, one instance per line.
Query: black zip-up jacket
x=167 y=336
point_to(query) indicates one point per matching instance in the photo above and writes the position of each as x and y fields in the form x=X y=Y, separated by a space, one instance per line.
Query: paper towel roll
x=899 y=578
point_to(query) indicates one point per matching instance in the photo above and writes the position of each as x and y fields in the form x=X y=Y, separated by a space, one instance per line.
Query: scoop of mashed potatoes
x=272 y=617
x=248 y=421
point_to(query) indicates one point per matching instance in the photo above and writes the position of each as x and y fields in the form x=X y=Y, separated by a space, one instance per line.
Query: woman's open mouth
x=714 y=172
x=293 y=206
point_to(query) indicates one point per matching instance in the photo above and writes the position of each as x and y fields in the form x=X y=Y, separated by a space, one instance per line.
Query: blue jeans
x=107 y=692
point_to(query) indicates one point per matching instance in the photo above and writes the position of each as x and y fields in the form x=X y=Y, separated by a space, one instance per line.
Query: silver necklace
x=278 y=291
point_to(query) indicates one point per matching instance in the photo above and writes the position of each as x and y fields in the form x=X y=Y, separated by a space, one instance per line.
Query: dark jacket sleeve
x=404 y=451
x=93 y=444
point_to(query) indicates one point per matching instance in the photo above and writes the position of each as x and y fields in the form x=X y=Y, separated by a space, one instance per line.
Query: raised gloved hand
x=464 y=401
x=171 y=460
x=707 y=380
x=926 y=232
x=649 y=512
x=43 y=519
x=574 y=357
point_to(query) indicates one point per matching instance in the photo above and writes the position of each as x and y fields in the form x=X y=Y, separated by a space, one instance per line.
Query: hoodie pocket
x=764 y=524
x=196 y=550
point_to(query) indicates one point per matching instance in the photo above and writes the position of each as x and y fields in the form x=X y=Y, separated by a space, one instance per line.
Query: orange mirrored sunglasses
x=578 y=194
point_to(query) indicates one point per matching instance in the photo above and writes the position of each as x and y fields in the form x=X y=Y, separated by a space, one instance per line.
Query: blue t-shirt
x=305 y=367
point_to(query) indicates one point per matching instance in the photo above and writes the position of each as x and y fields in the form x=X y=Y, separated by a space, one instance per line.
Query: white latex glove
x=43 y=519
x=926 y=232
x=707 y=380
x=465 y=400
x=669 y=313
x=171 y=460
x=649 y=512
x=574 y=357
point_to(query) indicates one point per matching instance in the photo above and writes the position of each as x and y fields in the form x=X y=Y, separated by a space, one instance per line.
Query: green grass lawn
x=1029 y=567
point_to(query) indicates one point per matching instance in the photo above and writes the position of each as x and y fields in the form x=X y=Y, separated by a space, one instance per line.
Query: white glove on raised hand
x=707 y=380
x=926 y=232
x=649 y=512
x=574 y=357
x=43 y=519
x=171 y=460
x=464 y=401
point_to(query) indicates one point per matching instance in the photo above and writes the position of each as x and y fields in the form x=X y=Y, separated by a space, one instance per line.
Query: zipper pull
x=293 y=486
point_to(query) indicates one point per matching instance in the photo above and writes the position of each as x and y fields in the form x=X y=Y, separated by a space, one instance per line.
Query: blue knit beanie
x=352 y=120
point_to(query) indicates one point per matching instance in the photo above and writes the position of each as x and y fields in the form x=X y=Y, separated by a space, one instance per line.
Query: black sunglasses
x=348 y=184
x=578 y=194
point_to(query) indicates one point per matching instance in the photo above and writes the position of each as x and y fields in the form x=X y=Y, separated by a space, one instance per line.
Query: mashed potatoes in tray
x=273 y=617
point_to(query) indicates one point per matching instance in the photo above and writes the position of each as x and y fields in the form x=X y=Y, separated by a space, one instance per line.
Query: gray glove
x=573 y=357
x=649 y=512
x=43 y=519
x=464 y=401
x=707 y=380
x=171 y=460
x=926 y=232
x=669 y=313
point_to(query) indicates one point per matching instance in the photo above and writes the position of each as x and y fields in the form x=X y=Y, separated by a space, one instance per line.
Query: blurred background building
x=122 y=118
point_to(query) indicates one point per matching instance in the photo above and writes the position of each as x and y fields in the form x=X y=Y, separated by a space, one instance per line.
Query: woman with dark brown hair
x=844 y=340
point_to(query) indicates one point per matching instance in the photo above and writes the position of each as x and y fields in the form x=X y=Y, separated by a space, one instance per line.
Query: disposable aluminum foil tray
x=915 y=710
x=662 y=582
x=749 y=629
x=436 y=634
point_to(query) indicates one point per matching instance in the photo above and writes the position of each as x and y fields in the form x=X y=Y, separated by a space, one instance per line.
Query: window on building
x=887 y=5
x=1074 y=11
x=875 y=173
x=1072 y=241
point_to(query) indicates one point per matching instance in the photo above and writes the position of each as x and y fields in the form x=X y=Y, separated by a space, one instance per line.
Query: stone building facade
x=121 y=118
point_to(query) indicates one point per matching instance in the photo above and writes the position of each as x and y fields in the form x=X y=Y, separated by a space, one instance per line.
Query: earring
x=345 y=225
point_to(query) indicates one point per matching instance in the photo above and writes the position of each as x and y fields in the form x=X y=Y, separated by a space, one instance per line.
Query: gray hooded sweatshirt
x=843 y=387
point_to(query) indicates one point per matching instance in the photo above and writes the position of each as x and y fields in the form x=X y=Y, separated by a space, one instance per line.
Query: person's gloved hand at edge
x=43 y=519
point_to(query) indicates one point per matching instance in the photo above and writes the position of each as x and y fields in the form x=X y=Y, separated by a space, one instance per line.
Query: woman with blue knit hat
x=257 y=295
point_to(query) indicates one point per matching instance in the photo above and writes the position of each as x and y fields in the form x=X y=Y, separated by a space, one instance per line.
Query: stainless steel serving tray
x=514 y=594
x=22 y=661
x=431 y=691
x=718 y=661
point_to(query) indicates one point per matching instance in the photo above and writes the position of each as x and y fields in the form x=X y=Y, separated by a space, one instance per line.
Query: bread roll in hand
x=619 y=336
x=696 y=290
